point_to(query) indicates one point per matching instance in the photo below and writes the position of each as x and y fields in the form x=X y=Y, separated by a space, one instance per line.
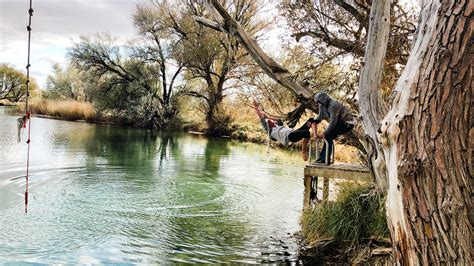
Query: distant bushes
x=357 y=215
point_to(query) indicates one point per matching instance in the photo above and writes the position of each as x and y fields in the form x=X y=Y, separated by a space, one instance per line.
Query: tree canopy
x=13 y=84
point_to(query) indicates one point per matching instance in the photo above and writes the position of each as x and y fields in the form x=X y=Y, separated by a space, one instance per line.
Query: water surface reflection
x=107 y=194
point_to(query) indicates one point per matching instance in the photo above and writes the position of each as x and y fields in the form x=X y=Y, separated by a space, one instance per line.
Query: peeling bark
x=370 y=104
x=425 y=137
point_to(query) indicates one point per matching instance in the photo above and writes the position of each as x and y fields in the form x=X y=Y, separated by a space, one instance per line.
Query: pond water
x=108 y=194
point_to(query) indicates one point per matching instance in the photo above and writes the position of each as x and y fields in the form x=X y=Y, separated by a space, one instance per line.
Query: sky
x=56 y=25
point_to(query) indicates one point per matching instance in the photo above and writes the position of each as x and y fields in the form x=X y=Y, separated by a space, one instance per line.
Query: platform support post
x=325 y=189
x=307 y=191
x=314 y=189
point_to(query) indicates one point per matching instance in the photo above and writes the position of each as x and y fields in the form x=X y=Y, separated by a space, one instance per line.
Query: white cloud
x=56 y=24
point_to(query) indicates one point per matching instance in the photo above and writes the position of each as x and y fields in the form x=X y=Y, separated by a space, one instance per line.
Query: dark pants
x=300 y=133
x=339 y=129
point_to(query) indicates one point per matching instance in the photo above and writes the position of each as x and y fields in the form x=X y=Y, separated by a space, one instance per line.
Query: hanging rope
x=27 y=108
x=268 y=148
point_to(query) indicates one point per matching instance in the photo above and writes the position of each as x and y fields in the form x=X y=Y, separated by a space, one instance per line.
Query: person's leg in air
x=303 y=134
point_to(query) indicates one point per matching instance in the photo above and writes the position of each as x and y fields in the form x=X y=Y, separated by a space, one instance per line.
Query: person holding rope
x=341 y=120
x=277 y=132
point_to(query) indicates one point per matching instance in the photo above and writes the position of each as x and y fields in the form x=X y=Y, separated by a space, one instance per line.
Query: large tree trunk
x=212 y=117
x=425 y=138
x=217 y=121
x=371 y=107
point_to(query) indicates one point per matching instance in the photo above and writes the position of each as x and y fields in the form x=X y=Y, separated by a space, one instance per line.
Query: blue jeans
x=339 y=129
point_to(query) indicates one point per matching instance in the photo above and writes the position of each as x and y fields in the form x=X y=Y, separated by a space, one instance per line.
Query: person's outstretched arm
x=262 y=117
x=320 y=114
x=334 y=111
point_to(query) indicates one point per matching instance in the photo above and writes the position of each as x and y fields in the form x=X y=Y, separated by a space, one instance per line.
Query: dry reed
x=68 y=109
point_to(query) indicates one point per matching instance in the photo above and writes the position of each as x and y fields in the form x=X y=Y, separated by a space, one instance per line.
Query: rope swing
x=27 y=115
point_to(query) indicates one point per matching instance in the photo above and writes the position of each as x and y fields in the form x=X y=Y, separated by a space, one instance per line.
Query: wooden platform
x=313 y=172
x=338 y=170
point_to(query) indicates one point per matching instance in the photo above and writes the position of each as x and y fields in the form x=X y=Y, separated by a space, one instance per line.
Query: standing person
x=341 y=120
x=277 y=132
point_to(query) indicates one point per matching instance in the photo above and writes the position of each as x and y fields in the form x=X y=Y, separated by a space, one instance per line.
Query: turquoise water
x=107 y=194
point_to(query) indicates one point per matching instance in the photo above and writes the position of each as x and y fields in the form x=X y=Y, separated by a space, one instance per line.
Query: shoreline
x=250 y=138
x=189 y=131
x=76 y=120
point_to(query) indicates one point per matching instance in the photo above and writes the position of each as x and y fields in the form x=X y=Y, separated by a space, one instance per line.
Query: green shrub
x=357 y=214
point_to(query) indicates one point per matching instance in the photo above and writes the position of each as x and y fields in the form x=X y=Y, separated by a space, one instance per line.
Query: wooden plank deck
x=338 y=170
x=315 y=171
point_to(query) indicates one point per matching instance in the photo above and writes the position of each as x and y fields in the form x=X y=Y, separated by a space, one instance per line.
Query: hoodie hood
x=323 y=98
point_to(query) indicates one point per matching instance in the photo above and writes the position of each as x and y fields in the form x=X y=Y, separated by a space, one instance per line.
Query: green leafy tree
x=157 y=47
x=13 y=84
x=66 y=83
x=127 y=86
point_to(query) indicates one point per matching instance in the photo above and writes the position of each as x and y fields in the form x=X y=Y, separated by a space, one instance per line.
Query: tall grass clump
x=357 y=215
x=68 y=109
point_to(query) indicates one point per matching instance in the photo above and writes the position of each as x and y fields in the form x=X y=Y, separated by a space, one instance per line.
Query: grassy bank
x=350 y=226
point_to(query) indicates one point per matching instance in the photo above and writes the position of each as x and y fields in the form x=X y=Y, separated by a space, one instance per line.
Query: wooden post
x=314 y=188
x=326 y=189
x=307 y=191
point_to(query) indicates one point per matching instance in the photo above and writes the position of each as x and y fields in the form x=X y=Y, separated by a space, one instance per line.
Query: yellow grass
x=68 y=109
x=346 y=154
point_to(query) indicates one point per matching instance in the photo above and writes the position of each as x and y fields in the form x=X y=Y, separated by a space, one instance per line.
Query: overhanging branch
x=348 y=46
x=208 y=23
x=273 y=69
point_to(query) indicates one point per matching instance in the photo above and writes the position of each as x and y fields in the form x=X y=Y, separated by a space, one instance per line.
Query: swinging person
x=277 y=132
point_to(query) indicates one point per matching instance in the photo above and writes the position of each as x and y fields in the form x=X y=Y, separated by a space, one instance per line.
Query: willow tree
x=420 y=140
x=218 y=61
x=157 y=47
x=66 y=83
x=126 y=86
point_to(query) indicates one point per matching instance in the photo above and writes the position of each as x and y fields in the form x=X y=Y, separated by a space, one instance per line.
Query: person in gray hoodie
x=341 y=120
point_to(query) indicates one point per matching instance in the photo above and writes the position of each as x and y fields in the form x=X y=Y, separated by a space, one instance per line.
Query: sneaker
x=321 y=161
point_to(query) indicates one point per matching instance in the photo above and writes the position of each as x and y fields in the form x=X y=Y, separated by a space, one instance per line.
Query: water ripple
x=107 y=195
